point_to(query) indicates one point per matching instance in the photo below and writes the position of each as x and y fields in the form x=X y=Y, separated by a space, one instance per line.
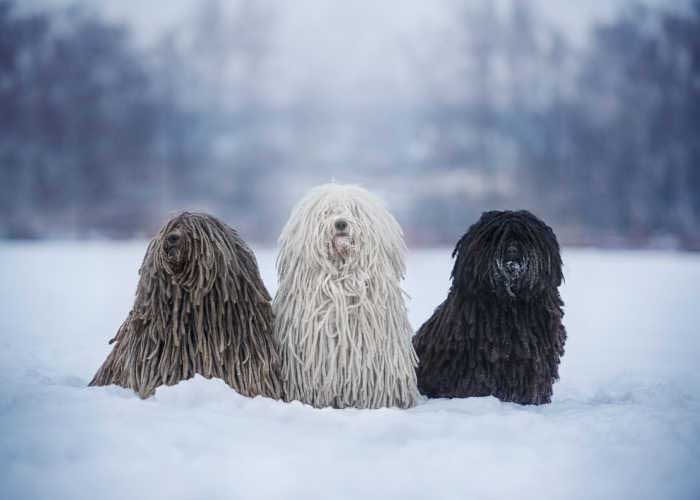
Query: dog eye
x=173 y=238
x=341 y=225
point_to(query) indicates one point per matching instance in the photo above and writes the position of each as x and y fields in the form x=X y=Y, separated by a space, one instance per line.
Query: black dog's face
x=512 y=255
x=510 y=268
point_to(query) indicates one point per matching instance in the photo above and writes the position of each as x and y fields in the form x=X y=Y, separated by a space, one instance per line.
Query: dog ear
x=555 y=262
x=465 y=274
x=547 y=244
x=463 y=242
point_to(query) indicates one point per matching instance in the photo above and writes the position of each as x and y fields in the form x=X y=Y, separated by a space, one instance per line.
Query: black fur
x=499 y=332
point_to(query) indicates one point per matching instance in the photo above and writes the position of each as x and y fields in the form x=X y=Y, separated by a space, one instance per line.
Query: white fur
x=341 y=323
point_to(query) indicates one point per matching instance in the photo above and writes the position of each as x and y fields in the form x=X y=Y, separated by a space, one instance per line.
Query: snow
x=624 y=423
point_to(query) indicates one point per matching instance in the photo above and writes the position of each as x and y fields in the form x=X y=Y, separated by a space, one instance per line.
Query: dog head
x=513 y=255
x=337 y=228
x=194 y=251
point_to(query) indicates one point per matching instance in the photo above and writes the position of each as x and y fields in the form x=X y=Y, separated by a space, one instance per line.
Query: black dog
x=499 y=331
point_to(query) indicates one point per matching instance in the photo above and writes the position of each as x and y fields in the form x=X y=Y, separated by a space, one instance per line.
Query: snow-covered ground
x=624 y=423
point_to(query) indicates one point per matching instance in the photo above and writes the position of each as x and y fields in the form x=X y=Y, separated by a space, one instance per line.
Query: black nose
x=341 y=225
x=172 y=239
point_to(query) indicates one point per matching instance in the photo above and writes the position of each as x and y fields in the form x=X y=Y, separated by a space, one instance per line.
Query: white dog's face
x=342 y=232
x=338 y=229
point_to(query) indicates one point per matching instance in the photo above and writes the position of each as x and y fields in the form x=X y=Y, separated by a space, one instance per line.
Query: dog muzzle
x=342 y=245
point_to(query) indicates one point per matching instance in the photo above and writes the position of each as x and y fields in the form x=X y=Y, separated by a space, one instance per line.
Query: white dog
x=340 y=317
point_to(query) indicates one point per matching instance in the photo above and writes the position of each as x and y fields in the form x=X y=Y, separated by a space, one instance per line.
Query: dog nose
x=513 y=266
x=341 y=225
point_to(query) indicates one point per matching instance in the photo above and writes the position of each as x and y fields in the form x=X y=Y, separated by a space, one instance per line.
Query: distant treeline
x=102 y=137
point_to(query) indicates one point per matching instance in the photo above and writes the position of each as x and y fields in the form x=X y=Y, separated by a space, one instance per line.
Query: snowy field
x=624 y=423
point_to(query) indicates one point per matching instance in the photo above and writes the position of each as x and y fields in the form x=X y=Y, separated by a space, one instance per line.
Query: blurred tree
x=602 y=139
x=99 y=137
x=503 y=68
x=80 y=126
x=630 y=132
x=605 y=139
x=20 y=39
x=219 y=147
